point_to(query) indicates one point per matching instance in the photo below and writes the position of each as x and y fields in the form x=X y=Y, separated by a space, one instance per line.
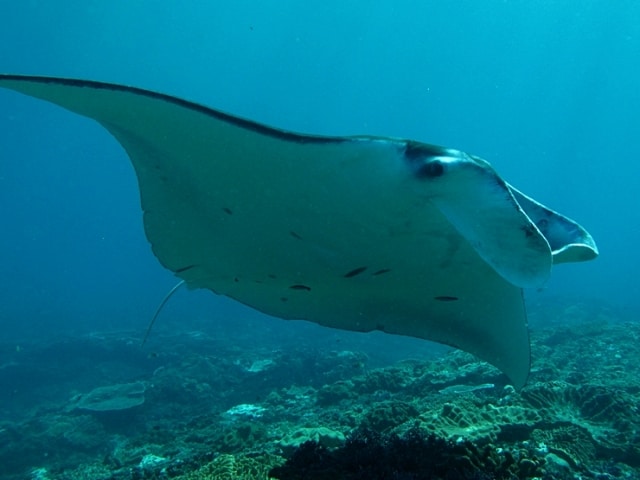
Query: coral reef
x=336 y=392
x=368 y=455
x=569 y=442
x=201 y=406
x=383 y=416
x=323 y=436
x=235 y=467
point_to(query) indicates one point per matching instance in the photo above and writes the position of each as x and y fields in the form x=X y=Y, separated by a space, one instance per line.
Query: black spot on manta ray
x=423 y=159
x=184 y=269
x=284 y=299
x=354 y=272
x=529 y=230
x=228 y=211
x=300 y=287
x=295 y=235
x=445 y=298
x=430 y=169
x=381 y=271
x=271 y=275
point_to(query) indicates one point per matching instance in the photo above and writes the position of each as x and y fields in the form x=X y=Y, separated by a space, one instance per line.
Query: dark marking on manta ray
x=381 y=271
x=419 y=151
x=430 y=169
x=295 y=235
x=184 y=269
x=210 y=112
x=228 y=211
x=271 y=275
x=542 y=224
x=529 y=230
x=300 y=287
x=354 y=272
x=502 y=185
x=284 y=299
x=445 y=298
x=424 y=159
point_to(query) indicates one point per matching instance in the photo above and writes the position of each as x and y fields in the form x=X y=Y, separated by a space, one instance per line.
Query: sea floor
x=195 y=405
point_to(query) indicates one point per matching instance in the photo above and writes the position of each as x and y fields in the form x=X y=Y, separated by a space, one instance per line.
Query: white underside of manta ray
x=358 y=233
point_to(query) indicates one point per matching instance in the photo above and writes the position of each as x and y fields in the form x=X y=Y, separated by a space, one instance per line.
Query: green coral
x=384 y=416
x=571 y=443
x=235 y=467
x=390 y=379
x=589 y=404
x=597 y=409
x=484 y=422
x=241 y=435
x=335 y=393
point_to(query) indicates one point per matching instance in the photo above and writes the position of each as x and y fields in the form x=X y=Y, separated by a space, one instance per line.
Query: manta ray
x=358 y=233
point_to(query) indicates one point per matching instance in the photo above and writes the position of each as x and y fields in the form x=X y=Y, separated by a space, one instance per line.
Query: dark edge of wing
x=240 y=122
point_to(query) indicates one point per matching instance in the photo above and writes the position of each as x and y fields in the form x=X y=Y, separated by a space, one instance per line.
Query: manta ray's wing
x=357 y=233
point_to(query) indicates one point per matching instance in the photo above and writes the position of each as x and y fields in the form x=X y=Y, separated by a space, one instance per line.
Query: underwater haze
x=546 y=91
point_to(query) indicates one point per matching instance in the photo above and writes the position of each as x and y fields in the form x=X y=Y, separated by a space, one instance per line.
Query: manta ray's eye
x=430 y=169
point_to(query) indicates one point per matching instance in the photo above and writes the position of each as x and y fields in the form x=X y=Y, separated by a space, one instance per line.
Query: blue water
x=546 y=91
